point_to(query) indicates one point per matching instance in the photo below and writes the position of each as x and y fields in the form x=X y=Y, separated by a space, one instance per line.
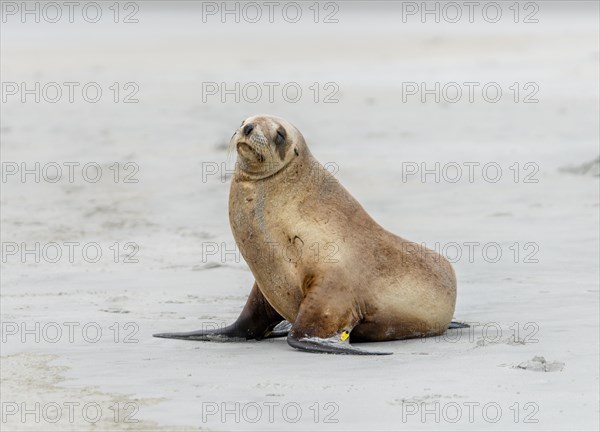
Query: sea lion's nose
x=248 y=129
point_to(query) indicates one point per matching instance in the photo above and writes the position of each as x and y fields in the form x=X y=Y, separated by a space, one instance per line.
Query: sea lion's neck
x=294 y=169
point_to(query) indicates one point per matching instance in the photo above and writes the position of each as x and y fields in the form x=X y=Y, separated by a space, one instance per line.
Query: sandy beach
x=115 y=223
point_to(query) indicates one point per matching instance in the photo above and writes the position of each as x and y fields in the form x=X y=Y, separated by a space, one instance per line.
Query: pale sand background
x=368 y=134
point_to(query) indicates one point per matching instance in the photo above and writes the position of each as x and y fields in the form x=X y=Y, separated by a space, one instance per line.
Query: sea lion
x=320 y=262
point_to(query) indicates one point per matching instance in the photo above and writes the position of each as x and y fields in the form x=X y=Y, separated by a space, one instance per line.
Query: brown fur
x=324 y=264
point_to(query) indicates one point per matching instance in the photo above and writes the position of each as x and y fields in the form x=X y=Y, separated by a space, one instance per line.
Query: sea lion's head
x=265 y=145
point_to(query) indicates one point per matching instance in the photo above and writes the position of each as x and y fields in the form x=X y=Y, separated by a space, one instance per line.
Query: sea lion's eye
x=280 y=138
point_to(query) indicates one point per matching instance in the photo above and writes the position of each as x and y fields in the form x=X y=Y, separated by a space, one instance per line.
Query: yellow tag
x=345 y=335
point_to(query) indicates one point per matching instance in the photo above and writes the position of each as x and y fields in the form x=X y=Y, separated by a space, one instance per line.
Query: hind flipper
x=281 y=330
x=457 y=325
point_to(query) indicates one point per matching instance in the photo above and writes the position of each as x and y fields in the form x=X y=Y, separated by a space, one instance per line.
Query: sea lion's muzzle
x=246 y=150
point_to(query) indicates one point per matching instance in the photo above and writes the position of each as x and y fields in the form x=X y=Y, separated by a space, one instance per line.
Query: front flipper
x=258 y=320
x=321 y=327
x=332 y=345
